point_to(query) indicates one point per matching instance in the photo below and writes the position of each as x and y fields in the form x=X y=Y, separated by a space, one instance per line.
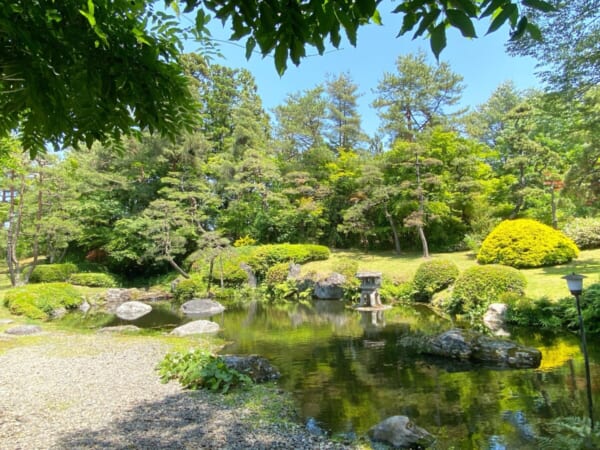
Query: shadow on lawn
x=184 y=421
x=588 y=266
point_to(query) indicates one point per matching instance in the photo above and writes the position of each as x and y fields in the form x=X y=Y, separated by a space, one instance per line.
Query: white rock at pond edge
x=196 y=327
x=132 y=310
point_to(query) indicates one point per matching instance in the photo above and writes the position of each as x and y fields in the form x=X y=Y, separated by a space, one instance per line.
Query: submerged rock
x=132 y=310
x=401 y=432
x=196 y=327
x=23 y=330
x=202 y=307
x=259 y=369
x=475 y=347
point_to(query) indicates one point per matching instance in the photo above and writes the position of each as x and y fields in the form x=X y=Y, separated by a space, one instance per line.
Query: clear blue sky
x=482 y=62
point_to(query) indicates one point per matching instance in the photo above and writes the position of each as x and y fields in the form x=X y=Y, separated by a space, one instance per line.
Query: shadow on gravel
x=189 y=421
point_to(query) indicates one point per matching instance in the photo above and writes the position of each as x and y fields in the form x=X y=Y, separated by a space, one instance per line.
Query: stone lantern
x=369 y=296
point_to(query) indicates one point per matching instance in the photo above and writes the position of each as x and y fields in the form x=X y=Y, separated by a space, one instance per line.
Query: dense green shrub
x=396 y=290
x=199 y=369
x=585 y=232
x=49 y=273
x=277 y=273
x=93 y=279
x=187 y=288
x=479 y=286
x=433 y=276
x=37 y=301
x=526 y=243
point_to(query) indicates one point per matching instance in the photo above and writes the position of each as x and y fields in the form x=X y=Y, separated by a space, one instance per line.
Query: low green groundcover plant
x=93 y=279
x=38 y=301
x=584 y=231
x=526 y=243
x=49 y=273
x=433 y=276
x=187 y=288
x=479 y=286
x=198 y=369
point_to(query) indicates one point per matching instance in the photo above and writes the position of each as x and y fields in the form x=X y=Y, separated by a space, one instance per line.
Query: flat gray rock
x=23 y=330
x=401 y=432
x=132 y=310
x=196 y=327
x=202 y=307
x=118 y=329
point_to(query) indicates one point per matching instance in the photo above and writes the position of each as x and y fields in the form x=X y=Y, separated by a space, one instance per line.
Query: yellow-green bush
x=49 y=273
x=37 y=301
x=526 y=243
x=93 y=279
x=433 y=276
x=277 y=273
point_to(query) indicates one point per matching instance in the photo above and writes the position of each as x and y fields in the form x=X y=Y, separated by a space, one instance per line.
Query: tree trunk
x=210 y=274
x=423 y=241
x=175 y=266
x=394 y=230
x=421 y=210
x=553 y=205
x=38 y=226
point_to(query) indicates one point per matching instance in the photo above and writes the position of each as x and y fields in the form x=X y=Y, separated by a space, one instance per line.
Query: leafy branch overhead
x=77 y=71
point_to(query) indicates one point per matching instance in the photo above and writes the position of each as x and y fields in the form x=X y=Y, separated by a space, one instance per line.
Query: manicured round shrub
x=585 y=232
x=526 y=243
x=277 y=274
x=49 y=273
x=38 y=301
x=479 y=286
x=433 y=276
x=93 y=279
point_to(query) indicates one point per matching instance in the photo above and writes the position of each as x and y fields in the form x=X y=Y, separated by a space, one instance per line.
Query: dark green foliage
x=93 y=279
x=585 y=232
x=48 y=273
x=526 y=243
x=198 y=369
x=479 y=286
x=187 y=288
x=433 y=276
x=37 y=301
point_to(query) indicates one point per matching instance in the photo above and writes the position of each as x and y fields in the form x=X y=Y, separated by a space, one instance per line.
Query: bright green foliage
x=265 y=256
x=93 y=279
x=433 y=276
x=479 y=286
x=396 y=290
x=187 y=288
x=37 y=301
x=199 y=369
x=244 y=241
x=48 y=273
x=526 y=243
x=277 y=273
x=585 y=232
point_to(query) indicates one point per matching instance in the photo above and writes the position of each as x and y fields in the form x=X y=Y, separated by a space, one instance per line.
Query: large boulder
x=259 y=369
x=196 y=327
x=202 y=307
x=132 y=310
x=331 y=287
x=474 y=347
x=401 y=432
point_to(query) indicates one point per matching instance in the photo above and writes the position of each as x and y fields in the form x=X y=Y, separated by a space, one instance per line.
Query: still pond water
x=347 y=373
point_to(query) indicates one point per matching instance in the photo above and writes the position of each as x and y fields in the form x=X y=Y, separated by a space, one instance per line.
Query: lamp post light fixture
x=575 y=284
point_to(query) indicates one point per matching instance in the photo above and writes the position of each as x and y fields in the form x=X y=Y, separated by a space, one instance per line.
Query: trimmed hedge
x=37 y=301
x=93 y=279
x=585 y=232
x=479 y=286
x=526 y=243
x=433 y=276
x=49 y=273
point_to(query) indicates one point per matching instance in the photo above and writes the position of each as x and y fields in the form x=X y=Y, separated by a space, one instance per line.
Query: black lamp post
x=575 y=283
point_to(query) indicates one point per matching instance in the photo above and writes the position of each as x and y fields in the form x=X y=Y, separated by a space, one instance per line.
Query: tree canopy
x=73 y=71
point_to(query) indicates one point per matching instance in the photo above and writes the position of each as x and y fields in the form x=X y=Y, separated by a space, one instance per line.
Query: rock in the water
x=259 y=369
x=202 y=307
x=132 y=310
x=23 y=330
x=401 y=432
x=475 y=347
x=331 y=287
x=119 y=329
x=196 y=327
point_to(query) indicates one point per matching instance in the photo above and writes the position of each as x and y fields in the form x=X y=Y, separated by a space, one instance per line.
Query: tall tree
x=343 y=130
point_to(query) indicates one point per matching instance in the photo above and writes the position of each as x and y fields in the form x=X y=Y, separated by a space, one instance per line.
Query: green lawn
x=541 y=282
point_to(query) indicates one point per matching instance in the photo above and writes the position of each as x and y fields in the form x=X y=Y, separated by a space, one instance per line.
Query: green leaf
x=466 y=6
x=521 y=27
x=507 y=11
x=437 y=39
x=493 y=6
x=460 y=20
x=539 y=5
x=281 y=55
x=429 y=19
x=408 y=22
x=376 y=18
x=534 y=31
x=250 y=45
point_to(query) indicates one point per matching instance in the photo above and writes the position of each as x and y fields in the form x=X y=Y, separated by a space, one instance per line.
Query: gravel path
x=100 y=391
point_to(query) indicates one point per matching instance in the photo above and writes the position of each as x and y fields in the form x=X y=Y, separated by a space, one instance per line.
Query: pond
x=347 y=372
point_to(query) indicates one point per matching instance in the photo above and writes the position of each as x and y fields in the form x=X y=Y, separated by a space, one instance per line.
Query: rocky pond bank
x=66 y=391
